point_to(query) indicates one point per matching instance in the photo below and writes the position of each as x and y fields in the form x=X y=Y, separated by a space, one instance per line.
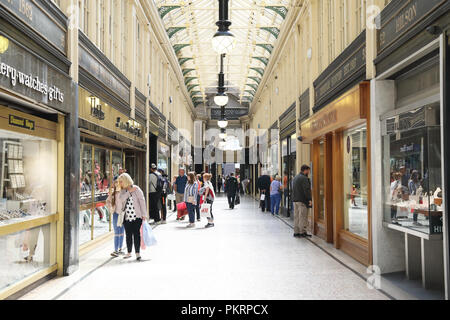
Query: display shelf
x=15 y=225
x=416 y=233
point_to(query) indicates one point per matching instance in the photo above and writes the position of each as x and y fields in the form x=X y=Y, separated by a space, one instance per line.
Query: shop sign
x=394 y=25
x=32 y=82
x=89 y=63
x=25 y=74
x=324 y=121
x=346 y=67
x=21 y=122
x=40 y=21
x=230 y=113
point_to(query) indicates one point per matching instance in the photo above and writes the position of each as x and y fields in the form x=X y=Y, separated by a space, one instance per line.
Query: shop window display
x=26 y=252
x=321 y=174
x=412 y=170
x=163 y=157
x=85 y=193
x=102 y=182
x=355 y=182
x=28 y=192
x=28 y=177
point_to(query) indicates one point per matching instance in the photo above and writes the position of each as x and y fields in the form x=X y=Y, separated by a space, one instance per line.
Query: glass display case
x=356 y=182
x=28 y=177
x=99 y=167
x=413 y=170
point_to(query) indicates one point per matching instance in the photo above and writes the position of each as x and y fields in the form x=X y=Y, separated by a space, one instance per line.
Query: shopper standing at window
x=165 y=192
x=113 y=205
x=133 y=201
x=275 y=195
x=180 y=186
x=190 y=197
x=302 y=199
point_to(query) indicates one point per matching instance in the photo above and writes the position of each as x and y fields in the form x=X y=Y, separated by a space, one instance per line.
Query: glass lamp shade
x=223 y=42
x=221 y=99
x=4 y=44
x=222 y=124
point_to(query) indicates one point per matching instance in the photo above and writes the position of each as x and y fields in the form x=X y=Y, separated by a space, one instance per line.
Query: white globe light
x=222 y=124
x=223 y=42
x=221 y=100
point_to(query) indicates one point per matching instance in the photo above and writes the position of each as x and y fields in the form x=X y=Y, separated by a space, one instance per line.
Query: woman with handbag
x=113 y=205
x=207 y=191
x=190 y=198
x=132 y=201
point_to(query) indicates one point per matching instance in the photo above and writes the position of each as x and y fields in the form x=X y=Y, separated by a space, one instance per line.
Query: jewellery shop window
x=28 y=192
x=97 y=168
x=412 y=170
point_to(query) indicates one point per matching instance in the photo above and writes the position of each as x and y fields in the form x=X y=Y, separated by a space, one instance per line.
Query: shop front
x=341 y=172
x=410 y=227
x=36 y=105
x=111 y=143
x=288 y=140
x=111 y=140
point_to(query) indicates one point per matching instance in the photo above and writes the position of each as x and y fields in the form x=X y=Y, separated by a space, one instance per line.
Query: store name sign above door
x=401 y=18
x=53 y=93
x=21 y=122
x=324 y=121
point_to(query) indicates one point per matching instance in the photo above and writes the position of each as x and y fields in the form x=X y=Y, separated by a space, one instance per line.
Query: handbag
x=263 y=197
x=171 y=197
x=237 y=200
x=191 y=199
x=205 y=210
x=147 y=237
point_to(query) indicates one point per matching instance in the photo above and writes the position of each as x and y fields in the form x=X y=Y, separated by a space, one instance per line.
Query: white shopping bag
x=171 y=197
x=263 y=197
x=205 y=210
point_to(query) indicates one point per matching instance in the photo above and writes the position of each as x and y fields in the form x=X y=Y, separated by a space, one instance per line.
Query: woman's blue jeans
x=191 y=211
x=275 y=201
x=118 y=233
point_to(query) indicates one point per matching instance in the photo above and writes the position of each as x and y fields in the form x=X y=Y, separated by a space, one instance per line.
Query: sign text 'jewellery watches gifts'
x=34 y=83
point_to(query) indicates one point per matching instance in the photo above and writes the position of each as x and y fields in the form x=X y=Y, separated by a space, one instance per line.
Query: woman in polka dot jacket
x=132 y=202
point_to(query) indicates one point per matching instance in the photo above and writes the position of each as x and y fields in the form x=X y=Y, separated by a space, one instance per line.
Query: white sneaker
x=191 y=225
x=164 y=222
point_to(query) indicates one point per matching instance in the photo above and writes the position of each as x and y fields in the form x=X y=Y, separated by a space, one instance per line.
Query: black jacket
x=301 y=189
x=232 y=185
x=263 y=183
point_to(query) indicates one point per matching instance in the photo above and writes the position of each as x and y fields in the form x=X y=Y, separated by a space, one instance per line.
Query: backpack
x=167 y=189
x=159 y=183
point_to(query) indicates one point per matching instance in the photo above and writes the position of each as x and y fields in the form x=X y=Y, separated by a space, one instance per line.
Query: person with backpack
x=156 y=189
x=165 y=192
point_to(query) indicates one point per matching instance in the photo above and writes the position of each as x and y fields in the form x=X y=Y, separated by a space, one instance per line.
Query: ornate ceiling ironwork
x=190 y=26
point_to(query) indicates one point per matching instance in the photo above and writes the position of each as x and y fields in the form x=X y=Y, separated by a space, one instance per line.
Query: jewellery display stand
x=16 y=206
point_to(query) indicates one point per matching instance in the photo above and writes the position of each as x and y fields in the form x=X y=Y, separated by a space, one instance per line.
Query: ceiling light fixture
x=223 y=122
x=221 y=99
x=223 y=41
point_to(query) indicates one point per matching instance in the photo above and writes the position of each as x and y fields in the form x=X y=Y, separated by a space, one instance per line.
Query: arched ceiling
x=190 y=26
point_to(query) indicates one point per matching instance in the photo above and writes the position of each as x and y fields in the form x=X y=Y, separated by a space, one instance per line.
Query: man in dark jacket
x=263 y=184
x=232 y=187
x=302 y=199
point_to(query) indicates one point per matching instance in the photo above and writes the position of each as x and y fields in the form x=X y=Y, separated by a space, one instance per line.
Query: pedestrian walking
x=232 y=186
x=165 y=192
x=155 y=194
x=113 y=205
x=263 y=185
x=133 y=201
x=174 y=202
x=199 y=180
x=302 y=199
x=207 y=191
x=190 y=197
x=275 y=195
x=180 y=186
x=219 y=184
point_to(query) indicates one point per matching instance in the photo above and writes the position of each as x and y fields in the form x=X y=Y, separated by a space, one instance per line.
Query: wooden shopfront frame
x=38 y=127
x=350 y=110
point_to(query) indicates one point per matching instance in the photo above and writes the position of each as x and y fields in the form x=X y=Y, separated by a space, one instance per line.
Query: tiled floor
x=248 y=255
